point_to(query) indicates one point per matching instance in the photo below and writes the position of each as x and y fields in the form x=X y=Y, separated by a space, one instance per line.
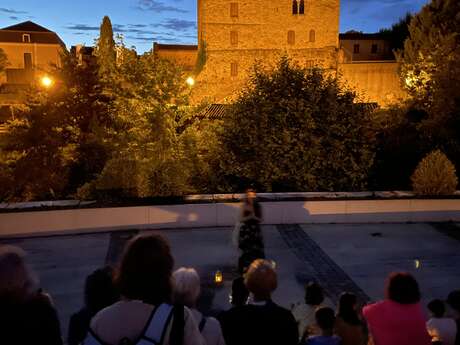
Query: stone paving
x=352 y=257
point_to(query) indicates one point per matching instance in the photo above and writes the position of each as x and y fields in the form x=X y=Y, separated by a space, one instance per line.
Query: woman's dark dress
x=250 y=240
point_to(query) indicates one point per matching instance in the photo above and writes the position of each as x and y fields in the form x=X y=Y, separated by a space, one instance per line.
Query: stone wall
x=183 y=55
x=258 y=32
x=216 y=83
x=374 y=81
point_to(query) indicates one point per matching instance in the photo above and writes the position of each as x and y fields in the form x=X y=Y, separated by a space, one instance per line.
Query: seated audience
x=27 y=315
x=100 y=293
x=453 y=301
x=349 y=326
x=145 y=311
x=399 y=319
x=265 y=322
x=186 y=291
x=325 y=320
x=441 y=329
x=304 y=313
x=229 y=319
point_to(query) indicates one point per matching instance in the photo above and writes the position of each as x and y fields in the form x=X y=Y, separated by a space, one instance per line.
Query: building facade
x=234 y=35
x=31 y=50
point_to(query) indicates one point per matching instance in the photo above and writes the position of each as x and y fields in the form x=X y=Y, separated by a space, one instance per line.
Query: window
x=374 y=49
x=234 y=9
x=295 y=7
x=234 y=69
x=26 y=38
x=356 y=49
x=302 y=7
x=234 y=38
x=27 y=61
x=312 y=37
x=291 y=37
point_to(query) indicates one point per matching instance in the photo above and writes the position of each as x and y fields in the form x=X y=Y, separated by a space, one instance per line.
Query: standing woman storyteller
x=250 y=240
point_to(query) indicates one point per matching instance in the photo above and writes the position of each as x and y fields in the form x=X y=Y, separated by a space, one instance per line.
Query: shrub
x=435 y=175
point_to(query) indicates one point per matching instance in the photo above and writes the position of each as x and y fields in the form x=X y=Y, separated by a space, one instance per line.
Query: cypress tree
x=106 y=49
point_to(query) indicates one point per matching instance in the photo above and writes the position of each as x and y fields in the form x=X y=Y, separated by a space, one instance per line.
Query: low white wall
x=226 y=214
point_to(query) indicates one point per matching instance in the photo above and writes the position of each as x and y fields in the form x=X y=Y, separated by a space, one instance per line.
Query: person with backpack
x=186 y=291
x=145 y=314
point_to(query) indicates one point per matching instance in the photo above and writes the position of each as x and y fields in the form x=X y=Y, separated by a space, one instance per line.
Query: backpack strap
x=202 y=324
x=157 y=325
x=177 y=329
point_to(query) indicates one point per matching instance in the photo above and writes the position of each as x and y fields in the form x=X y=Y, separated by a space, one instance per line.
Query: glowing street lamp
x=190 y=81
x=46 y=82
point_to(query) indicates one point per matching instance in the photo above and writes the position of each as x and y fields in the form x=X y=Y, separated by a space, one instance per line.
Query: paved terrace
x=349 y=257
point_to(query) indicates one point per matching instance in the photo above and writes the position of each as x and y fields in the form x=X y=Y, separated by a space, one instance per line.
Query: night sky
x=167 y=21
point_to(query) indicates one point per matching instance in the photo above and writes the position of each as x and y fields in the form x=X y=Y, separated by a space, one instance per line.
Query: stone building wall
x=183 y=55
x=236 y=34
x=374 y=81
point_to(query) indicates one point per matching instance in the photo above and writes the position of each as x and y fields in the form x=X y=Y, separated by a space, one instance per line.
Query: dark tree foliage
x=431 y=72
x=400 y=147
x=398 y=33
x=55 y=143
x=105 y=51
x=293 y=129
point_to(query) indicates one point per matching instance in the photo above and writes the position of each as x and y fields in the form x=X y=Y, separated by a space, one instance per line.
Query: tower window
x=312 y=37
x=234 y=9
x=234 y=38
x=302 y=7
x=374 y=49
x=295 y=7
x=356 y=49
x=234 y=69
x=291 y=37
x=26 y=38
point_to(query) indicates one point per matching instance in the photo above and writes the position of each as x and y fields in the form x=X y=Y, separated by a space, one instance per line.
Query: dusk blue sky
x=167 y=21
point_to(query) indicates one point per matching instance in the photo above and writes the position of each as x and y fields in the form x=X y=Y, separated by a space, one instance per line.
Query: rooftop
x=38 y=34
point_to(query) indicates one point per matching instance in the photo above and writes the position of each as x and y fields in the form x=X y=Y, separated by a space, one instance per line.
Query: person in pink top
x=399 y=319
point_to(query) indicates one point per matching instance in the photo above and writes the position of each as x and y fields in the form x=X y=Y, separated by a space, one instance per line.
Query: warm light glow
x=417 y=264
x=190 y=81
x=47 y=81
x=218 y=278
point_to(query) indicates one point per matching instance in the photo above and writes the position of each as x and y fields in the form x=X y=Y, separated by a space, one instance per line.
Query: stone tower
x=234 y=34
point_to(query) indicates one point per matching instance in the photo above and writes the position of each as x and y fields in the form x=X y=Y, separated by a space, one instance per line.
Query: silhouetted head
x=251 y=194
x=261 y=279
x=145 y=270
x=325 y=318
x=313 y=294
x=240 y=293
x=100 y=290
x=17 y=281
x=347 y=310
x=437 y=308
x=186 y=287
x=454 y=300
x=402 y=288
